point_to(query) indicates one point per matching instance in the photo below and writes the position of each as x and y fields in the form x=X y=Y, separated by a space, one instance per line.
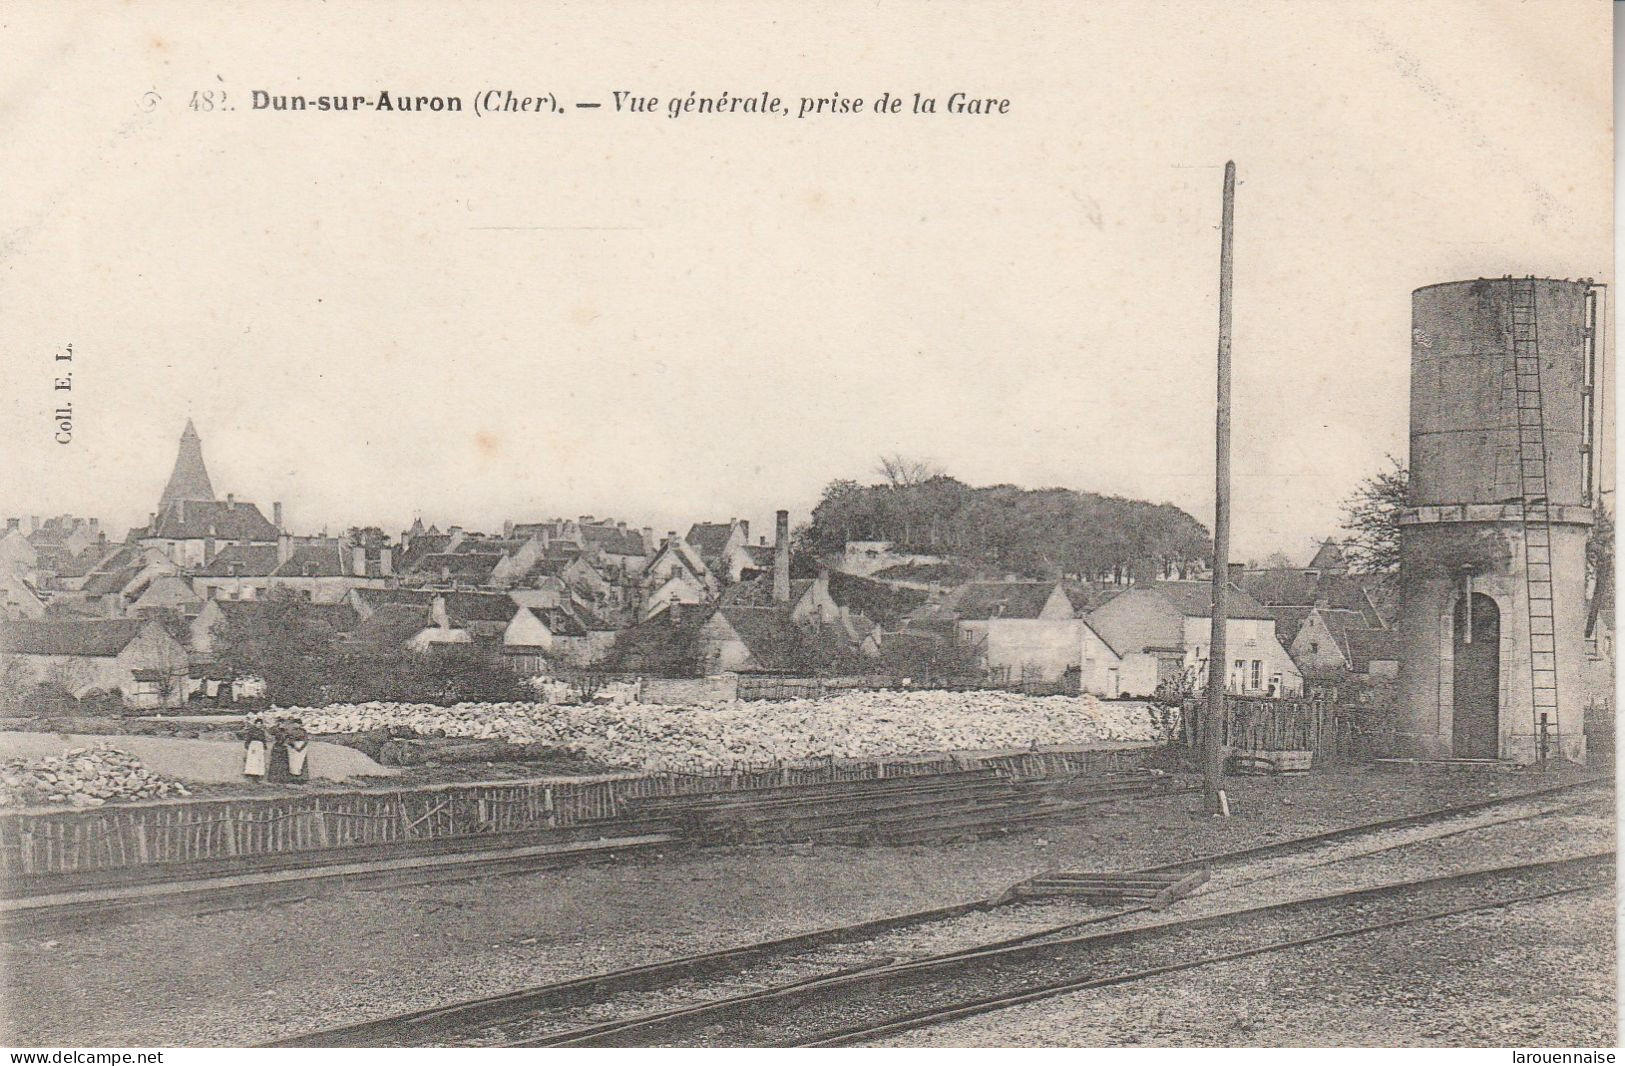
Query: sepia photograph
x=770 y=524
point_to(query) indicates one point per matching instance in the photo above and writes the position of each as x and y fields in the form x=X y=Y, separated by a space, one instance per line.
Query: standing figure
x=255 y=740
x=276 y=766
x=297 y=741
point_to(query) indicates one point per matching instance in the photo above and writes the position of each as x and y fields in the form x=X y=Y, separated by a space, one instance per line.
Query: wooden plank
x=1180 y=889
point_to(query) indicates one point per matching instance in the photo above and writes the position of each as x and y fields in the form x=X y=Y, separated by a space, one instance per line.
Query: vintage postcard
x=806 y=524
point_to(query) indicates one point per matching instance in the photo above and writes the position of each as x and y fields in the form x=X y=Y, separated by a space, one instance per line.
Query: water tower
x=1492 y=546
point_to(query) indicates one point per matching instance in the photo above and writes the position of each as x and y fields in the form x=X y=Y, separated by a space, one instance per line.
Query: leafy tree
x=1371 y=520
x=1038 y=533
x=291 y=647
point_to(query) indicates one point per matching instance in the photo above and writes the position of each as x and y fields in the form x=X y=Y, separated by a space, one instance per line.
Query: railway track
x=581 y=1009
x=1543 y=882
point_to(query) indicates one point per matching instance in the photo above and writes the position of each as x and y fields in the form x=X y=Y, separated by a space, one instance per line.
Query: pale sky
x=371 y=316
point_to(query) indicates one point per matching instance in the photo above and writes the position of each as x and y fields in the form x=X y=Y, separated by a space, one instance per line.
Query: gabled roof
x=710 y=540
x=1283 y=587
x=108 y=582
x=422 y=545
x=250 y=560
x=101 y=638
x=758 y=592
x=220 y=519
x=1194 y=599
x=461 y=607
x=613 y=540
x=340 y=616
x=1329 y=557
x=472 y=567
x=981 y=600
x=1368 y=644
x=316 y=560
x=560 y=621
x=1288 y=620
x=885 y=605
x=1340 y=623
x=768 y=633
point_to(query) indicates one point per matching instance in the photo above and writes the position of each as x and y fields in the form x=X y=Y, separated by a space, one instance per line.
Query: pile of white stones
x=81 y=777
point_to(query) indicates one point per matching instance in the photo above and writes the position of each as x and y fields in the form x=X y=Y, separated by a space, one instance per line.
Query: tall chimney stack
x=781 y=559
x=276 y=514
x=284 y=547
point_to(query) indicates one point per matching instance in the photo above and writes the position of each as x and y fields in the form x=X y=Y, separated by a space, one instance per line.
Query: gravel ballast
x=245 y=976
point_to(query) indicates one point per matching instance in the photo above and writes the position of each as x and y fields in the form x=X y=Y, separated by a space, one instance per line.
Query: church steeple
x=189 y=481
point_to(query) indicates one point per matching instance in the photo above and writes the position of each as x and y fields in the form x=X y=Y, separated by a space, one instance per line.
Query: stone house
x=134 y=657
x=1158 y=632
x=326 y=571
x=1026 y=630
x=722 y=547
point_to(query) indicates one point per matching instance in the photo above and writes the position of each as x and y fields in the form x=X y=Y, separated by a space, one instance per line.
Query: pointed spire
x=189 y=480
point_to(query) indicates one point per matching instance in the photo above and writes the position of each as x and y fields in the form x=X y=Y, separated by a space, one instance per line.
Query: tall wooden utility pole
x=1218 y=655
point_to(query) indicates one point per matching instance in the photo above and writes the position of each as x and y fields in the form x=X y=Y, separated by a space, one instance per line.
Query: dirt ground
x=250 y=975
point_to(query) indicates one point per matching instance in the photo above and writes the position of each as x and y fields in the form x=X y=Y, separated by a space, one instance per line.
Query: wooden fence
x=1327 y=729
x=219 y=830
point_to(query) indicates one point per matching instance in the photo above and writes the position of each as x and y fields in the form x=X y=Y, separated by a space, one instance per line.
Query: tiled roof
x=1368 y=644
x=340 y=616
x=560 y=622
x=70 y=636
x=709 y=539
x=1194 y=599
x=251 y=560
x=1288 y=620
x=422 y=545
x=885 y=605
x=111 y=581
x=1000 y=599
x=220 y=519
x=767 y=632
x=474 y=567
x=316 y=560
x=613 y=540
x=1340 y=623
x=461 y=607
x=758 y=592
x=1329 y=557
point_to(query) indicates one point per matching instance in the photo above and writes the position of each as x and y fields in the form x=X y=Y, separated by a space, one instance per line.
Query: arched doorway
x=1477 y=704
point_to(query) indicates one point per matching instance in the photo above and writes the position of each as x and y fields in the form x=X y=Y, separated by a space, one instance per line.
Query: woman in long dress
x=255 y=740
x=297 y=741
x=276 y=758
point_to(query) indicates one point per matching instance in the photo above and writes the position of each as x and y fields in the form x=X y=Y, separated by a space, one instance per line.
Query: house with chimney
x=722 y=547
x=1159 y=632
x=325 y=570
x=238 y=572
x=676 y=574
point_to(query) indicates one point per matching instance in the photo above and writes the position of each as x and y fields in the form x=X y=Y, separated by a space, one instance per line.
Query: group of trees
x=305 y=660
x=1039 y=533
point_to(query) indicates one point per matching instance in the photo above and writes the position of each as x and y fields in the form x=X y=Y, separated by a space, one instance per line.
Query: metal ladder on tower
x=1535 y=505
